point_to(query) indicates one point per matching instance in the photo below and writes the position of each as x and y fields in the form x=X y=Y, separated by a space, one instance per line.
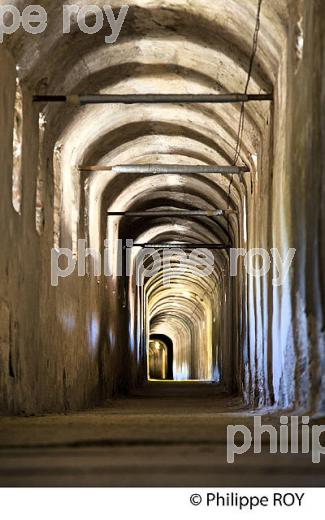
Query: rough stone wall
x=289 y=335
x=283 y=347
x=305 y=168
x=48 y=336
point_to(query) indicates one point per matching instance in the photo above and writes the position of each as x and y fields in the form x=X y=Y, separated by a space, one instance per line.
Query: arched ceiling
x=166 y=46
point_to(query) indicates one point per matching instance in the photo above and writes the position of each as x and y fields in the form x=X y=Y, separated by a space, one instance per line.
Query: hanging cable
x=242 y=109
x=250 y=69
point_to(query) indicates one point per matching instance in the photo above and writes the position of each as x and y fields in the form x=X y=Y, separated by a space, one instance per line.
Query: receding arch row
x=192 y=134
x=214 y=25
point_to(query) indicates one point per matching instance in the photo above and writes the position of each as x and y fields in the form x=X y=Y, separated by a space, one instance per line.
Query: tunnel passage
x=166 y=343
x=181 y=306
x=251 y=336
x=157 y=360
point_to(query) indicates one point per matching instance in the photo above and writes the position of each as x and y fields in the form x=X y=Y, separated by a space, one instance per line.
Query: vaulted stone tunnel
x=225 y=345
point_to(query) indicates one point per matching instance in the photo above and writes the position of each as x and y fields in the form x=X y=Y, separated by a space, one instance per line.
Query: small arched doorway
x=160 y=357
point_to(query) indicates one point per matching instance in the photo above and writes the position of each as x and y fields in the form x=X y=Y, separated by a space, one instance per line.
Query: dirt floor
x=169 y=434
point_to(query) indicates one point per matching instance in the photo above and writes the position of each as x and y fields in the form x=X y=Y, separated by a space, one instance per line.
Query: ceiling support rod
x=130 y=99
x=172 y=213
x=183 y=245
x=166 y=169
